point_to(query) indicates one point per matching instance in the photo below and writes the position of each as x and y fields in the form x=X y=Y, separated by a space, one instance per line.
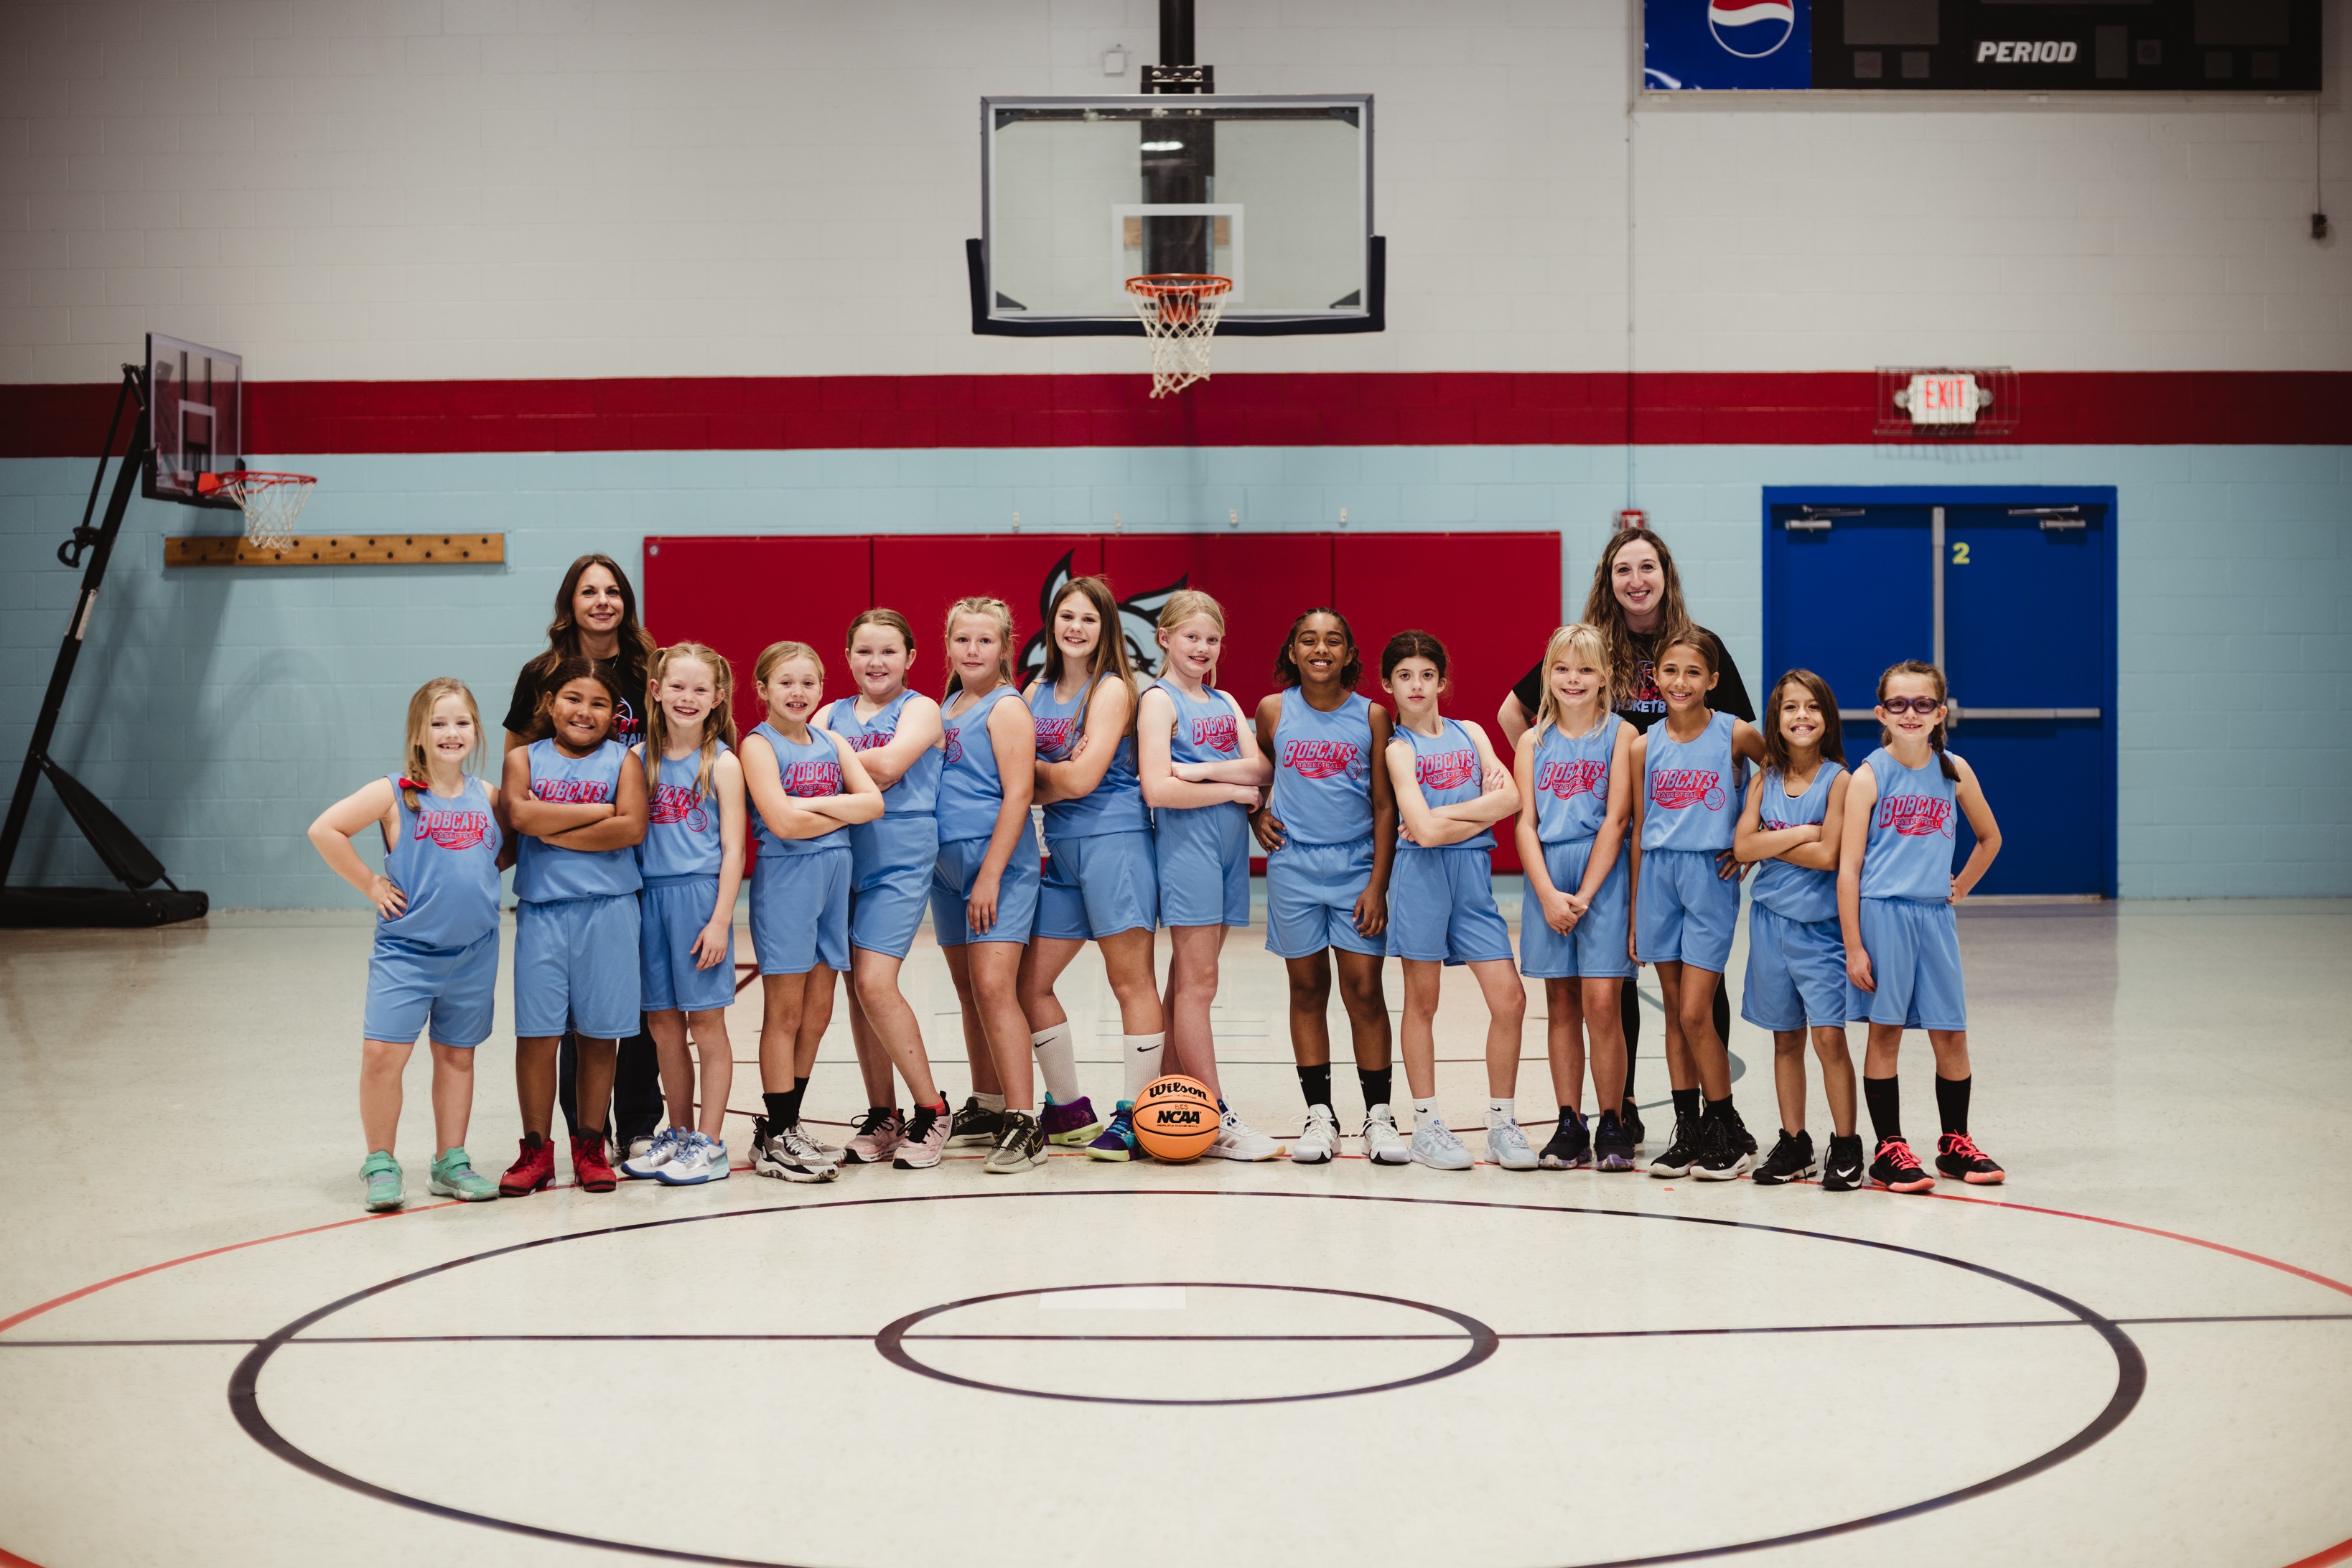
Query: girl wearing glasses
x=1895 y=892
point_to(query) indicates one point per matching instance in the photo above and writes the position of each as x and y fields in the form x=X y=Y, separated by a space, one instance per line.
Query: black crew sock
x=1686 y=1104
x=1723 y=1108
x=1378 y=1084
x=1629 y=1013
x=792 y=1100
x=1884 y=1098
x=780 y=1109
x=1952 y=1102
x=1315 y=1083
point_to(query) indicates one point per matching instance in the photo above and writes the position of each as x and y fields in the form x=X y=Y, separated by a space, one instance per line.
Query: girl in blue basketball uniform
x=1450 y=793
x=984 y=891
x=1329 y=830
x=1100 y=881
x=1894 y=895
x=1575 y=774
x=1792 y=823
x=808 y=788
x=897 y=734
x=578 y=797
x=1203 y=774
x=435 y=966
x=692 y=863
x=1687 y=899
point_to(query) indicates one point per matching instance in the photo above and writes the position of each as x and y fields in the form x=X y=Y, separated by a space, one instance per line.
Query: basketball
x=1175 y=1118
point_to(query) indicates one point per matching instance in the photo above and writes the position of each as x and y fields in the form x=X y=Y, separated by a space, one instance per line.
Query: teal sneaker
x=1116 y=1139
x=454 y=1177
x=382 y=1173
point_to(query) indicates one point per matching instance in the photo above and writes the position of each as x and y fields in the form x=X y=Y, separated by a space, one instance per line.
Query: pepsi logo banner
x=1709 y=45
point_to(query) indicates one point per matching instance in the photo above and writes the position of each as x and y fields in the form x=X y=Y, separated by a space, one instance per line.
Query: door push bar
x=1952 y=719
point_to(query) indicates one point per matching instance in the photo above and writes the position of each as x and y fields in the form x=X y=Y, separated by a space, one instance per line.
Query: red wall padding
x=1492 y=598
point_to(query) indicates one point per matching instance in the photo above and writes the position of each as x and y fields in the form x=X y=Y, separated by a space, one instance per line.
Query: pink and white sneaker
x=879 y=1133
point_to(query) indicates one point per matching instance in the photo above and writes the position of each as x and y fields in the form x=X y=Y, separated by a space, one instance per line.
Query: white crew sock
x=1142 y=1053
x=1424 y=1112
x=990 y=1101
x=1499 y=1111
x=1059 y=1060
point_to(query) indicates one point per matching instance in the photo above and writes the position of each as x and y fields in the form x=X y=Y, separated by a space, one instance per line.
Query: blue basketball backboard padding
x=1713 y=45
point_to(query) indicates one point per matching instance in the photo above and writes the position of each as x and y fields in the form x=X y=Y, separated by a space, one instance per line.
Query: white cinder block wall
x=438 y=189
x=492 y=189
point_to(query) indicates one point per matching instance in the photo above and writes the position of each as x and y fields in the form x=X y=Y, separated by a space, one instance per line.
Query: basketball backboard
x=1081 y=193
x=196 y=412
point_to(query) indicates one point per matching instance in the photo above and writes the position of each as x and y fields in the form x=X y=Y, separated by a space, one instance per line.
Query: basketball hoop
x=1180 y=312
x=270 y=501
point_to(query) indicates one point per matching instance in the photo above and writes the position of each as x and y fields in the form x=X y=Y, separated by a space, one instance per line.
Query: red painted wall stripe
x=1440 y=409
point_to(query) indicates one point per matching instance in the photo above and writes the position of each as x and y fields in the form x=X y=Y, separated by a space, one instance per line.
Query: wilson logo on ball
x=1751 y=28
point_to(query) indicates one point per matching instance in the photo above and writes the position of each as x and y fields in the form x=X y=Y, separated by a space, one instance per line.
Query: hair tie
x=407 y=783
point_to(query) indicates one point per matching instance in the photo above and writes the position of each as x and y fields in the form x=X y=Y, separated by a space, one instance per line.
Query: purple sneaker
x=1116 y=1141
x=879 y=1133
x=1069 y=1124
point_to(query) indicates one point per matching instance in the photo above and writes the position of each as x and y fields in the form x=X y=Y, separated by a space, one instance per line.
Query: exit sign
x=1950 y=399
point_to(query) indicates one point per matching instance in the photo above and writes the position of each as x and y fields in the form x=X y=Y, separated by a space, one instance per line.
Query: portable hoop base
x=1180 y=312
x=270 y=501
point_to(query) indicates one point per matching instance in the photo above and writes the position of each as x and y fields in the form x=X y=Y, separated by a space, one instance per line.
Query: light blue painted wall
x=216 y=711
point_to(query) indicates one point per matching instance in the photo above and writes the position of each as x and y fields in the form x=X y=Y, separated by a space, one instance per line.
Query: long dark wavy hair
x=563 y=632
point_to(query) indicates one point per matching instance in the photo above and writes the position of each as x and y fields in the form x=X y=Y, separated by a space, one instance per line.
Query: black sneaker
x=1681 y=1153
x=1841 y=1172
x=1020 y=1146
x=1629 y=1117
x=1612 y=1150
x=1742 y=1141
x=1957 y=1155
x=1791 y=1160
x=1899 y=1170
x=1570 y=1147
x=1720 y=1158
x=975 y=1123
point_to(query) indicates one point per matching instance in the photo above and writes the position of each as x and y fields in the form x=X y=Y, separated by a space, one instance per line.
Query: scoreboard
x=1981 y=46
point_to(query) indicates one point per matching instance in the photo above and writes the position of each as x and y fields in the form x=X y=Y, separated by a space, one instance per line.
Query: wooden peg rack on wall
x=342 y=550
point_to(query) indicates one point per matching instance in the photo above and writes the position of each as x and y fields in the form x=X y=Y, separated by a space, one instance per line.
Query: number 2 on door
x=1959 y=553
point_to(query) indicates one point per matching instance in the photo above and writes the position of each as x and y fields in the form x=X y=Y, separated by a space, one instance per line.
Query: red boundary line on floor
x=2325 y=1558
x=1466 y=408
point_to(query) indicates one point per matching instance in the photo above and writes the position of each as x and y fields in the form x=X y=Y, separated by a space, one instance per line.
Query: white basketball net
x=1180 y=314
x=271 y=502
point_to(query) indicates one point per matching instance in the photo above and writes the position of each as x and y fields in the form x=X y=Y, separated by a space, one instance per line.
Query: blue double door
x=2013 y=591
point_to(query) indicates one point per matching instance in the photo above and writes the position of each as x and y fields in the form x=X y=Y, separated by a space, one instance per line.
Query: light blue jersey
x=1572 y=780
x=682 y=835
x=1114 y=806
x=1203 y=851
x=546 y=875
x=444 y=862
x=917 y=793
x=970 y=790
x=1690 y=788
x=1909 y=852
x=1795 y=892
x=1446 y=766
x=1323 y=770
x=809 y=769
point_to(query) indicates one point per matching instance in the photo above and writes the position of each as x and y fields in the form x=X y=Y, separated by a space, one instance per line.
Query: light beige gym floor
x=2138 y=1352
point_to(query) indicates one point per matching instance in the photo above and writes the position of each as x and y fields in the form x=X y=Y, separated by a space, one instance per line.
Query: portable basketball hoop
x=270 y=501
x=1180 y=312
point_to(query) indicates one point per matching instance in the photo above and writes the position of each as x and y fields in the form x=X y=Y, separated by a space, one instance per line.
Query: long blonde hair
x=718 y=725
x=996 y=610
x=1182 y=606
x=1579 y=639
x=419 y=762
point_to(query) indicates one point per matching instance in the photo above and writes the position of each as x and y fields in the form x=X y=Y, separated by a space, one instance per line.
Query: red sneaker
x=1957 y=1155
x=590 y=1164
x=1898 y=1169
x=532 y=1169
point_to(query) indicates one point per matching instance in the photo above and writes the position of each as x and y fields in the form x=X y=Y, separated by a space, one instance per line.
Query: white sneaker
x=1319 y=1139
x=1435 y=1146
x=1384 y=1144
x=1507 y=1146
x=699 y=1158
x=1237 y=1140
x=655 y=1153
x=787 y=1156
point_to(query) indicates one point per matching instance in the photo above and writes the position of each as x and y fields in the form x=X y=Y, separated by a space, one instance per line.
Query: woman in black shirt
x=597 y=618
x=1637 y=602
